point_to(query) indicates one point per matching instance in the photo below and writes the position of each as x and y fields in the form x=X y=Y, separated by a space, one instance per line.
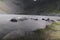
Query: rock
x=33 y=19
x=47 y=19
x=43 y=19
x=13 y=20
x=24 y=18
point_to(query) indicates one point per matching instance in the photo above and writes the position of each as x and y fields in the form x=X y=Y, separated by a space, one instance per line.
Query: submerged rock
x=34 y=19
x=23 y=19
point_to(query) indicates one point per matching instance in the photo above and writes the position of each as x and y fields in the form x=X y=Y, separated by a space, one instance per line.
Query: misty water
x=20 y=27
x=31 y=9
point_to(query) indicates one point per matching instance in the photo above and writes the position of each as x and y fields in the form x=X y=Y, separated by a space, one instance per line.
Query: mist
x=31 y=7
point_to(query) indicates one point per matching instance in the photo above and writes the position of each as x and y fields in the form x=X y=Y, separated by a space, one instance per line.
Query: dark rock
x=47 y=19
x=13 y=20
x=43 y=19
